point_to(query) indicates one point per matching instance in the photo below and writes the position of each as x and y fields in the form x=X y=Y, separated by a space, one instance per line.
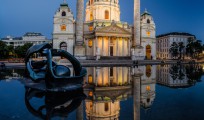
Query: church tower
x=64 y=29
x=148 y=35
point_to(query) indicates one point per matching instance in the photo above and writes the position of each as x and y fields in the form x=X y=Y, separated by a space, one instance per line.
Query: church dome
x=105 y=10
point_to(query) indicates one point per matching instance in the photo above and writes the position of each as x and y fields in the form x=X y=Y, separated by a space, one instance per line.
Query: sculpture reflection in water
x=50 y=72
x=56 y=104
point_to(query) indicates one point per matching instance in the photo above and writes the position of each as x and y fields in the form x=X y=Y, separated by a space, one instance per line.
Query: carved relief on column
x=79 y=22
x=136 y=40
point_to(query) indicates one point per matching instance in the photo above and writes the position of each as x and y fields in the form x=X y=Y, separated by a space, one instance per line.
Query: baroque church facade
x=104 y=35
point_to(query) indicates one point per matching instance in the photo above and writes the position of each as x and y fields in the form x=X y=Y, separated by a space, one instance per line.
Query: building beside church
x=165 y=41
x=29 y=37
x=104 y=35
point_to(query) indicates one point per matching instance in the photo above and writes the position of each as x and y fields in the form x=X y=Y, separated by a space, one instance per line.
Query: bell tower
x=64 y=29
x=148 y=35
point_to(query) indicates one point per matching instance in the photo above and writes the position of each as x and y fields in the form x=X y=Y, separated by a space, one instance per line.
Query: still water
x=167 y=92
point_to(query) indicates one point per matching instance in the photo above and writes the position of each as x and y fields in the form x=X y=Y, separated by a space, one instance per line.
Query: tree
x=174 y=50
x=190 y=47
x=180 y=48
x=21 y=50
x=2 y=49
x=194 y=48
x=198 y=48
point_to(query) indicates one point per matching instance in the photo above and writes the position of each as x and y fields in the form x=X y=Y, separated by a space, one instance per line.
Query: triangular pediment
x=112 y=30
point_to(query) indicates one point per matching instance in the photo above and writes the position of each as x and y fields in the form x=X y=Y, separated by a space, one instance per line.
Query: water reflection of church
x=108 y=86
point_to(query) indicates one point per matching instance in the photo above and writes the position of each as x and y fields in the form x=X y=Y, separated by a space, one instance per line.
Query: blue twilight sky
x=20 y=16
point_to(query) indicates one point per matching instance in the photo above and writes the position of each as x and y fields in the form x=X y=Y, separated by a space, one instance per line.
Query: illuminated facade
x=109 y=36
x=64 y=29
x=148 y=40
x=104 y=35
x=165 y=41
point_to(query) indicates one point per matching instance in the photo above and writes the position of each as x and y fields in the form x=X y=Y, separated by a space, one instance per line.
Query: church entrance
x=111 y=50
x=148 y=52
x=63 y=46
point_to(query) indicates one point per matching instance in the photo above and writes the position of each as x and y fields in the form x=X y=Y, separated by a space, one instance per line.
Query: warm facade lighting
x=148 y=88
x=63 y=27
x=90 y=43
x=90 y=79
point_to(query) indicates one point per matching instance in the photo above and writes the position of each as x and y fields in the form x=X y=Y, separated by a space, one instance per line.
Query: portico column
x=117 y=46
x=108 y=46
x=128 y=46
x=123 y=47
x=102 y=46
x=94 y=47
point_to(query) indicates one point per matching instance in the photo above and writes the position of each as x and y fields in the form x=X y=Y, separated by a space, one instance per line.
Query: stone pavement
x=89 y=63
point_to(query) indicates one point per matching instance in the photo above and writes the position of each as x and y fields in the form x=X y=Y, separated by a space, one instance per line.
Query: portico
x=109 y=41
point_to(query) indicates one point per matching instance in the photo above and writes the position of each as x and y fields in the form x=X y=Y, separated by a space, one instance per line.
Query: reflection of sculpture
x=56 y=103
x=2 y=66
x=48 y=70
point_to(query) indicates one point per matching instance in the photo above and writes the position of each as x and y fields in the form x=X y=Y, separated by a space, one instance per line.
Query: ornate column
x=138 y=52
x=79 y=49
x=79 y=22
x=136 y=40
x=136 y=79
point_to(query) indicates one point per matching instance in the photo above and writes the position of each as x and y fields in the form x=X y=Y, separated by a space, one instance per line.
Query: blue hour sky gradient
x=20 y=16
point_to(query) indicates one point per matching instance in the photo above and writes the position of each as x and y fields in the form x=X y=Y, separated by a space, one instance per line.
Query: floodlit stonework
x=64 y=29
x=103 y=36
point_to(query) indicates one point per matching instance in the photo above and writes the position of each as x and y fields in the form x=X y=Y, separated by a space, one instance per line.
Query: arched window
x=148 y=21
x=106 y=107
x=63 y=13
x=148 y=71
x=63 y=46
x=91 y=16
x=106 y=14
x=91 y=2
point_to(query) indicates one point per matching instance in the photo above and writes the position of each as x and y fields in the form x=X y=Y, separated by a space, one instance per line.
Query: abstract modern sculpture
x=49 y=71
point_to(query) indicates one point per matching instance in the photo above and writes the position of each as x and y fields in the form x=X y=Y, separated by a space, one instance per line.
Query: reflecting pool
x=157 y=92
